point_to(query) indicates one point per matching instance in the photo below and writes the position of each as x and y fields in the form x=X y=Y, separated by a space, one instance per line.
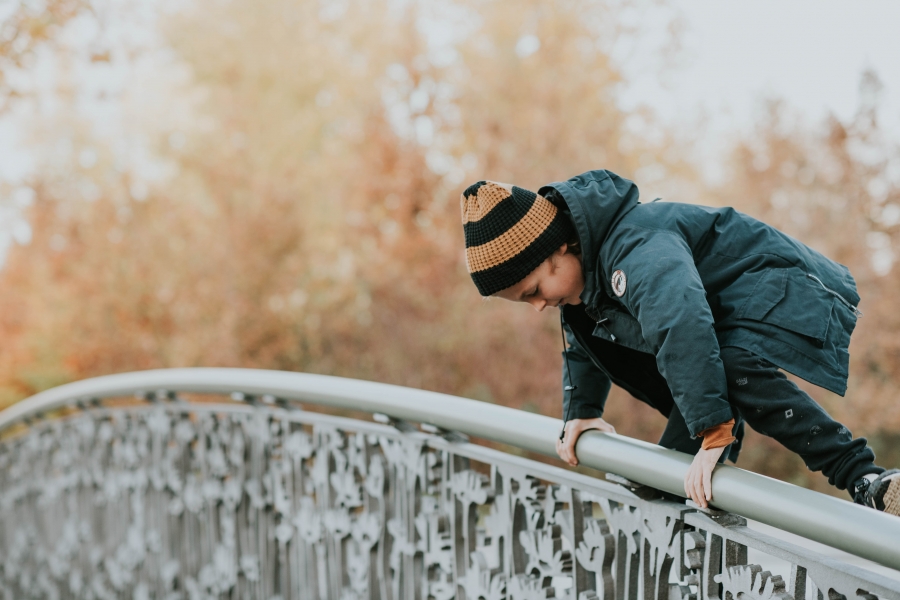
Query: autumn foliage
x=305 y=211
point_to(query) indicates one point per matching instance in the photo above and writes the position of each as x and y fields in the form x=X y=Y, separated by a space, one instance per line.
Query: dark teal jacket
x=697 y=279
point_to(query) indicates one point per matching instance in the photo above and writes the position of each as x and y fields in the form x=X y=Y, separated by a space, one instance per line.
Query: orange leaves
x=309 y=218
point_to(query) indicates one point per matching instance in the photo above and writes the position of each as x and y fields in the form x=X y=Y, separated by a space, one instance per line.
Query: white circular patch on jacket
x=618 y=283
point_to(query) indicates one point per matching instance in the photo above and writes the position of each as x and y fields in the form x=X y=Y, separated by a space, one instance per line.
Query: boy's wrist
x=581 y=410
x=718 y=436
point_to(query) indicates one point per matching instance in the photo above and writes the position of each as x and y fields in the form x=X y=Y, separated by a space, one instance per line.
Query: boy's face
x=555 y=282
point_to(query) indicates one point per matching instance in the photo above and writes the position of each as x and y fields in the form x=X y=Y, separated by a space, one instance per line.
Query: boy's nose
x=539 y=304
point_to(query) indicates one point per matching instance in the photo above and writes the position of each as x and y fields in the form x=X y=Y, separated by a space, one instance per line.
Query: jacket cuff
x=718 y=436
x=583 y=411
x=720 y=416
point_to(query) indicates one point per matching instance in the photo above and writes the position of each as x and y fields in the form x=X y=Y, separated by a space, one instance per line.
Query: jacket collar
x=596 y=201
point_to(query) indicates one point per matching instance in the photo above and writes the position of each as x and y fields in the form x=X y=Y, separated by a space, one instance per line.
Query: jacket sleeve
x=663 y=291
x=588 y=399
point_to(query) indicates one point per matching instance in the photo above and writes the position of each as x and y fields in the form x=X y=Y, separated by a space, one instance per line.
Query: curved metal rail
x=839 y=524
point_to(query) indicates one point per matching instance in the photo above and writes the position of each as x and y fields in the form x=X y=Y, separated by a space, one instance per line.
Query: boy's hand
x=698 y=481
x=565 y=447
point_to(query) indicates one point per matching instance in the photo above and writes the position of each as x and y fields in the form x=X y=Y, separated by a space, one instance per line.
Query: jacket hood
x=596 y=201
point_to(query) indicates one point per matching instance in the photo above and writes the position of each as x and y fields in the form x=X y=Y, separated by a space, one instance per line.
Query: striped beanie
x=509 y=232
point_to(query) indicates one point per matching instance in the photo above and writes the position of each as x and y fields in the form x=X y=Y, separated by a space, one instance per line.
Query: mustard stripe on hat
x=497 y=220
x=514 y=240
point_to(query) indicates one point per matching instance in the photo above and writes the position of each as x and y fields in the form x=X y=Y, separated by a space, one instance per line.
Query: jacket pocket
x=788 y=299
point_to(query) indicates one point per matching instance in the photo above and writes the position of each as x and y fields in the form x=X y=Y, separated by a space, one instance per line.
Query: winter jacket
x=680 y=281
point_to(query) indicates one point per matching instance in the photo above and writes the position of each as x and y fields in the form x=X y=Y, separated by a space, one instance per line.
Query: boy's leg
x=676 y=435
x=774 y=406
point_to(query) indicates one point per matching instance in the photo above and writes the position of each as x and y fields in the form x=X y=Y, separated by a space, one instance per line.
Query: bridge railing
x=250 y=496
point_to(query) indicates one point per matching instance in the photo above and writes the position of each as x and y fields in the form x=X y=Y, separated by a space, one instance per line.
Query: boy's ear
x=557 y=254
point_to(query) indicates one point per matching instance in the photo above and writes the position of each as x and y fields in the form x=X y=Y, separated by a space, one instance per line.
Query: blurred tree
x=308 y=218
x=312 y=220
x=25 y=26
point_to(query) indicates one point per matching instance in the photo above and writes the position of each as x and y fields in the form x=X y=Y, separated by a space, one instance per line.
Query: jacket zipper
x=603 y=322
x=855 y=310
x=596 y=318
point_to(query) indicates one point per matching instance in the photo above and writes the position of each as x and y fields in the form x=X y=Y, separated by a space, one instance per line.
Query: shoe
x=881 y=494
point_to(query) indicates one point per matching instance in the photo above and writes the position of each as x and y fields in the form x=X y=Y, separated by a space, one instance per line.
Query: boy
x=692 y=310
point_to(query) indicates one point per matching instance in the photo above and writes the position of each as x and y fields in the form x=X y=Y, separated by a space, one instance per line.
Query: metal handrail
x=855 y=529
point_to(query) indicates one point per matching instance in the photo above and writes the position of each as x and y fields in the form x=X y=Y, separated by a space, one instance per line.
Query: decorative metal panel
x=198 y=501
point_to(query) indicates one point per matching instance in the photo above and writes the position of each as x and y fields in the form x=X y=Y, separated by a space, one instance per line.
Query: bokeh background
x=275 y=183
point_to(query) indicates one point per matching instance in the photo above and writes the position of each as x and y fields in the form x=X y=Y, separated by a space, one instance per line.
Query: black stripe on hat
x=506 y=274
x=500 y=219
x=472 y=190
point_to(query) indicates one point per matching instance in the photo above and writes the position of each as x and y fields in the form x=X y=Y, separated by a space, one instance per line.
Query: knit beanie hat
x=509 y=232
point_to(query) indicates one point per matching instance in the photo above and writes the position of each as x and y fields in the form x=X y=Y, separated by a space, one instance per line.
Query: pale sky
x=734 y=54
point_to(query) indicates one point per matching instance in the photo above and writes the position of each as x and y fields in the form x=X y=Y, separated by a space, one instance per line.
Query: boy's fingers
x=689 y=484
x=698 y=492
x=707 y=483
x=570 y=452
x=693 y=486
x=565 y=448
x=561 y=449
x=569 y=442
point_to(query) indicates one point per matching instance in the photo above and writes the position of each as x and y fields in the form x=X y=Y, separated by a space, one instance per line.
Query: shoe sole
x=891 y=496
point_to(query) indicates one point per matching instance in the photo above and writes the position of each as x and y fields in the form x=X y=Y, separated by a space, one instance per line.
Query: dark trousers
x=761 y=396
